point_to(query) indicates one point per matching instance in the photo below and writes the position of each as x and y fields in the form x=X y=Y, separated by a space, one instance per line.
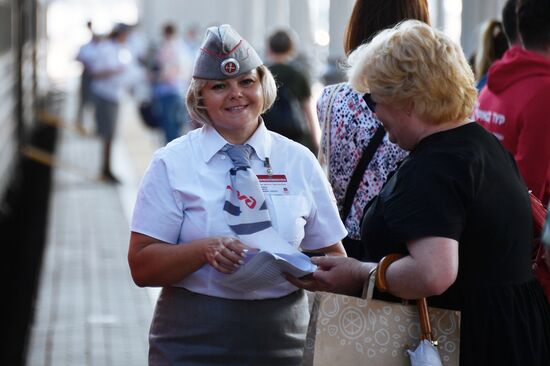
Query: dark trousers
x=169 y=110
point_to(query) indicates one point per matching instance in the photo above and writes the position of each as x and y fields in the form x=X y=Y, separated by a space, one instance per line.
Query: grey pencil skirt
x=193 y=329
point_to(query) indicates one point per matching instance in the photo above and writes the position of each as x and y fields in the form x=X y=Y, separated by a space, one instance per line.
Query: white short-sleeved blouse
x=183 y=192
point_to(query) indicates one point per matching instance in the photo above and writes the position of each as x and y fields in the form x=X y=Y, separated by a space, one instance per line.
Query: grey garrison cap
x=224 y=54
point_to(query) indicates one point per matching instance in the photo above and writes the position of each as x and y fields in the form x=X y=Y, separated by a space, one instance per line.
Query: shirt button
x=223 y=157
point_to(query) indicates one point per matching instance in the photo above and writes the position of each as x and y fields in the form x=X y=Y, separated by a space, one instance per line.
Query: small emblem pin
x=230 y=67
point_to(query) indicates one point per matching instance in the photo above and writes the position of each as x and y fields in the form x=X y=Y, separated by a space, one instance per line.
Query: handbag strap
x=421 y=304
x=359 y=171
x=324 y=158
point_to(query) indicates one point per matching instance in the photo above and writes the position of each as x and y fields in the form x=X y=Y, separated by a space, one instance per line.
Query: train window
x=5 y=27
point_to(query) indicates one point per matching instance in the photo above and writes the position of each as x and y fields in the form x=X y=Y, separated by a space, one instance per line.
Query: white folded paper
x=263 y=269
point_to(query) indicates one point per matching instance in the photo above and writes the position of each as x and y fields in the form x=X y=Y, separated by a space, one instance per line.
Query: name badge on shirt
x=275 y=185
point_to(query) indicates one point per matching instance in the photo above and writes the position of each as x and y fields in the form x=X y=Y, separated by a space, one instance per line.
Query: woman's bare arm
x=429 y=269
x=156 y=263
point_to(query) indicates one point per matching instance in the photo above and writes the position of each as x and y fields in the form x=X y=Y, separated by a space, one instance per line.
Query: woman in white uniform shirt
x=180 y=239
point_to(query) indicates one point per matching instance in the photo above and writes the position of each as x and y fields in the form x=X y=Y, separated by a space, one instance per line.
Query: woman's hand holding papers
x=225 y=254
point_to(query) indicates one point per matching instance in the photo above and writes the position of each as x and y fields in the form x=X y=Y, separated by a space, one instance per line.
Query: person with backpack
x=292 y=114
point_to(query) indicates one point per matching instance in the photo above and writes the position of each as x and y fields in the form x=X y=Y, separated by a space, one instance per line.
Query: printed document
x=263 y=269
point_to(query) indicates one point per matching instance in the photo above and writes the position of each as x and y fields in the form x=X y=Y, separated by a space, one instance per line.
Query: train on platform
x=23 y=76
x=24 y=183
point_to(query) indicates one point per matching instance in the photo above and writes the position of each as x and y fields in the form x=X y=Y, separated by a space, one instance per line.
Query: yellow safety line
x=48 y=159
x=53 y=120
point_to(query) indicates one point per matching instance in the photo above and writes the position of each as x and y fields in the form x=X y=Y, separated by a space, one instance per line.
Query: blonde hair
x=413 y=62
x=198 y=111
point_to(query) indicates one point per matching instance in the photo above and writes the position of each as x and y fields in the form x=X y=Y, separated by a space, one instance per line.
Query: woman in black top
x=457 y=208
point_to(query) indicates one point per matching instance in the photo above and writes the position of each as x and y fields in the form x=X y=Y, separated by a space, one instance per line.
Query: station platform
x=88 y=310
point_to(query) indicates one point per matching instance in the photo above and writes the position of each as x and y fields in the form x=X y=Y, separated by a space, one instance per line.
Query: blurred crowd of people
x=155 y=75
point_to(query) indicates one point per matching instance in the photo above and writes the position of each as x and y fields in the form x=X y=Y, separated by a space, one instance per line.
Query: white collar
x=210 y=142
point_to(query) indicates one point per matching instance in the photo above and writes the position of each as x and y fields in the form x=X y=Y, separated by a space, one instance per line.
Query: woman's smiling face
x=234 y=105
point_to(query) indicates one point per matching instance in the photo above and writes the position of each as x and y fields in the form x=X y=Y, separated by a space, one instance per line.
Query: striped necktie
x=245 y=208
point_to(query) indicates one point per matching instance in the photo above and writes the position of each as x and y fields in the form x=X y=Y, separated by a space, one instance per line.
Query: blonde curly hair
x=413 y=62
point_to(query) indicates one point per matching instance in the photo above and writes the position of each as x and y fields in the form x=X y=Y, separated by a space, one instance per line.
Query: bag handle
x=383 y=265
x=421 y=304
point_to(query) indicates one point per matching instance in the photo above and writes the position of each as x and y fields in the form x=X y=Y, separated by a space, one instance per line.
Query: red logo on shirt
x=248 y=200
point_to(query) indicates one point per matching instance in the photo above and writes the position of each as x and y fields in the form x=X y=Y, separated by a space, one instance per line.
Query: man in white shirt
x=112 y=59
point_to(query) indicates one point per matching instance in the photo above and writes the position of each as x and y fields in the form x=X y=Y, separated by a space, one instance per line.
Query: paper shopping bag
x=355 y=331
